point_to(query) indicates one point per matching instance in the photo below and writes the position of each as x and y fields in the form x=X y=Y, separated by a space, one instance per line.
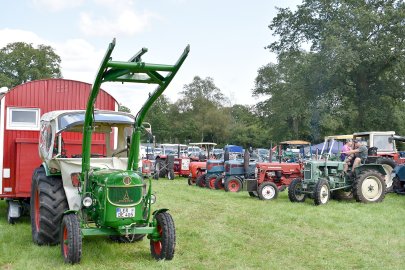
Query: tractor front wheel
x=369 y=187
x=70 y=238
x=200 y=181
x=163 y=249
x=48 y=203
x=233 y=184
x=218 y=183
x=268 y=191
x=210 y=181
x=295 y=191
x=322 y=192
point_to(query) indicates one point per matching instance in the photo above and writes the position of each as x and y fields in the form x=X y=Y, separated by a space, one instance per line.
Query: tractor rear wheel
x=210 y=181
x=71 y=239
x=268 y=191
x=160 y=168
x=163 y=249
x=200 y=182
x=48 y=203
x=369 y=187
x=388 y=165
x=233 y=184
x=322 y=192
x=295 y=191
x=218 y=183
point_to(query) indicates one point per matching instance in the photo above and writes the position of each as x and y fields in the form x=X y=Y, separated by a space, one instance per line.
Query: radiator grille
x=124 y=195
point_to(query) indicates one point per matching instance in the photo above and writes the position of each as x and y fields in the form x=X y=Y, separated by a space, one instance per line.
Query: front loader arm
x=132 y=71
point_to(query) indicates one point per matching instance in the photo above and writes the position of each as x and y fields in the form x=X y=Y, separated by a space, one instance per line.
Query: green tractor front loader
x=75 y=195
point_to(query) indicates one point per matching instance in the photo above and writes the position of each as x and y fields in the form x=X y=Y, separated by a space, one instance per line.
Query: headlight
x=87 y=202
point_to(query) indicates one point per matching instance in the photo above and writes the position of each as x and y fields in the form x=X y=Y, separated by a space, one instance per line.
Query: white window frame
x=21 y=125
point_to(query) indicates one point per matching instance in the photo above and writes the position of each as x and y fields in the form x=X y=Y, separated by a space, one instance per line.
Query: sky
x=227 y=39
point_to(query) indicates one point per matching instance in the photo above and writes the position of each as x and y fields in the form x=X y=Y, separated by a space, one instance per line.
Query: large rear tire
x=163 y=249
x=160 y=168
x=388 y=165
x=369 y=187
x=294 y=191
x=48 y=203
x=71 y=239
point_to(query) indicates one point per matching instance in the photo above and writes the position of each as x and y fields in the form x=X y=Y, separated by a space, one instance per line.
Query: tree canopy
x=352 y=78
x=21 y=62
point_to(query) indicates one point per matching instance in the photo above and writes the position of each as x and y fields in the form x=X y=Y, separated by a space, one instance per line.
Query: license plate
x=125 y=212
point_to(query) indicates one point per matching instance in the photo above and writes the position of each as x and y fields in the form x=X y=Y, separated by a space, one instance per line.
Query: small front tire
x=322 y=192
x=268 y=191
x=70 y=239
x=163 y=249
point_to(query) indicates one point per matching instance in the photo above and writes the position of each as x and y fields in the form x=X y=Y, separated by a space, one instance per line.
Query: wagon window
x=23 y=119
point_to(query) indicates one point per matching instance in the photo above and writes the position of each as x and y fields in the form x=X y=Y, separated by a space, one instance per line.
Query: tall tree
x=361 y=50
x=201 y=104
x=21 y=62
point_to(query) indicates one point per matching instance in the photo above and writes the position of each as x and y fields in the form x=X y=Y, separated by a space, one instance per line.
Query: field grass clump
x=219 y=230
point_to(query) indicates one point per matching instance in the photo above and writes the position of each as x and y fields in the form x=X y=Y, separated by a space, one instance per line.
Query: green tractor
x=324 y=178
x=87 y=188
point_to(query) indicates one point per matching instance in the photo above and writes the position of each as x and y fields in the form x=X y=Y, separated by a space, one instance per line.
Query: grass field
x=219 y=230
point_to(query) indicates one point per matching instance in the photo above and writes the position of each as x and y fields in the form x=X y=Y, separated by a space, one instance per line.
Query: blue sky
x=227 y=38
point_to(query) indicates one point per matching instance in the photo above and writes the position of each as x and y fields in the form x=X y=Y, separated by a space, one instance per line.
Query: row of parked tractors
x=318 y=176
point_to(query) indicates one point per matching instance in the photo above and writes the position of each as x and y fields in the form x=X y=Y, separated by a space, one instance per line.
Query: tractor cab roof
x=68 y=120
x=295 y=142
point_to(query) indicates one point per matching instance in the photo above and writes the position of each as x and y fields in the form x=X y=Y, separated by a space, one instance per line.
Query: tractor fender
x=377 y=167
x=163 y=210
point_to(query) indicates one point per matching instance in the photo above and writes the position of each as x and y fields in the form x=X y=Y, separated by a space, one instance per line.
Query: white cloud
x=15 y=35
x=57 y=5
x=123 y=22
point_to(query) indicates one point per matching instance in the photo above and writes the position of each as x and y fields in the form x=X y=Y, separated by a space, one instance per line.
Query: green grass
x=219 y=230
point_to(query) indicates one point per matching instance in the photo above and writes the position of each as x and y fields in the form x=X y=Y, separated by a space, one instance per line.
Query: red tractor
x=274 y=176
x=172 y=160
x=199 y=153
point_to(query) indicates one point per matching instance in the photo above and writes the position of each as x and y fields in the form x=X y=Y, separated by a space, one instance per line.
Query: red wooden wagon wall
x=19 y=147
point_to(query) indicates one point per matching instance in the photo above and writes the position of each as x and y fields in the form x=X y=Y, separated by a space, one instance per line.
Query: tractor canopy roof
x=339 y=137
x=233 y=148
x=74 y=118
x=296 y=142
x=365 y=133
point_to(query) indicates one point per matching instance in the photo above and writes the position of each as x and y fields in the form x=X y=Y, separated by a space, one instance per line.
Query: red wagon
x=20 y=111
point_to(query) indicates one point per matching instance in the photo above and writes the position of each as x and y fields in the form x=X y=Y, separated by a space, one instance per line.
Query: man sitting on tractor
x=356 y=156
